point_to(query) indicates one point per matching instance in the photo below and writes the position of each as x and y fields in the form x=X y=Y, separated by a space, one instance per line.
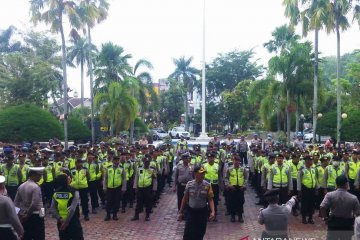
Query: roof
x=74 y=102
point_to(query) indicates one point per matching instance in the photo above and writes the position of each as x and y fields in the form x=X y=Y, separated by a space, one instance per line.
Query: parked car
x=308 y=137
x=177 y=132
x=158 y=134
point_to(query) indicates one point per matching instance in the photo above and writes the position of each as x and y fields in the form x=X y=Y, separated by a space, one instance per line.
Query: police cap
x=271 y=193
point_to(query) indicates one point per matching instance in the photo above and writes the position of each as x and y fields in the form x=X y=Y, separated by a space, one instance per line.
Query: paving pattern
x=164 y=225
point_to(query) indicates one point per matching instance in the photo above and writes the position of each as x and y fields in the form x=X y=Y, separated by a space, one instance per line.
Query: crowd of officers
x=118 y=175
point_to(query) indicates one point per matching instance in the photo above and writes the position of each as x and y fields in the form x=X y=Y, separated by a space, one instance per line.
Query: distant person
x=143 y=141
x=229 y=141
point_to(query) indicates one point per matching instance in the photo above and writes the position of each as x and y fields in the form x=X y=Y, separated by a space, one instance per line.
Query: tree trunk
x=338 y=127
x=316 y=84
x=288 y=119
x=82 y=85
x=278 y=117
x=55 y=103
x=91 y=86
x=63 y=48
x=186 y=111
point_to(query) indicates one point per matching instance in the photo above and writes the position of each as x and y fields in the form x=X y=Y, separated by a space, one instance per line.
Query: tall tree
x=53 y=12
x=187 y=74
x=7 y=43
x=92 y=11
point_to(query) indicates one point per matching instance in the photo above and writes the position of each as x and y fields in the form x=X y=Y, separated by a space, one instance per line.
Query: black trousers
x=93 y=187
x=84 y=200
x=294 y=192
x=113 y=197
x=169 y=176
x=11 y=191
x=195 y=225
x=340 y=228
x=243 y=158
x=180 y=189
x=34 y=228
x=236 y=201
x=7 y=234
x=215 y=188
x=129 y=194
x=49 y=191
x=283 y=194
x=73 y=231
x=319 y=198
x=144 y=197
x=100 y=191
x=307 y=201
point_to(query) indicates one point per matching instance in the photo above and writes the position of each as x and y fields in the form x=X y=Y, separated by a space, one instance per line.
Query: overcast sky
x=160 y=30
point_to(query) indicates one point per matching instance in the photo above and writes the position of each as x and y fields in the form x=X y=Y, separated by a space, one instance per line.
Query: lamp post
x=302 y=118
x=318 y=117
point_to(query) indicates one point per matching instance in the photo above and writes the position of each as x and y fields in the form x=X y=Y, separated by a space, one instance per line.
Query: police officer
x=145 y=185
x=198 y=196
x=93 y=170
x=275 y=217
x=331 y=173
x=295 y=167
x=114 y=186
x=307 y=186
x=80 y=177
x=243 y=150
x=29 y=200
x=183 y=174
x=65 y=209
x=280 y=178
x=8 y=217
x=49 y=175
x=128 y=165
x=12 y=174
x=343 y=207
x=235 y=182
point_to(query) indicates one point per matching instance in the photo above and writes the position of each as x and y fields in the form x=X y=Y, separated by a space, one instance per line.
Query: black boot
x=115 y=217
x=86 y=217
x=304 y=220
x=135 y=217
x=310 y=220
x=123 y=210
x=147 y=218
x=232 y=219
x=241 y=218
x=107 y=218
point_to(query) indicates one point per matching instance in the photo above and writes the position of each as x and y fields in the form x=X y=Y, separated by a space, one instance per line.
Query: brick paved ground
x=163 y=224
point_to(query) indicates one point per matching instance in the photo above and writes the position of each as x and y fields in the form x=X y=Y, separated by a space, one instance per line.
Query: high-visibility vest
x=236 y=177
x=114 y=176
x=332 y=175
x=212 y=173
x=145 y=177
x=320 y=174
x=107 y=164
x=58 y=168
x=309 y=177
x=41 y=181
x=79 y=180
x=11 y=175
x=24 y=173
x=49 y=174
x=63 y=200
x=353 y=169
x=99 y=173
x=280 y=175
x=93 y=170
x=71 y=163
x=294 y=169
x=128 y=166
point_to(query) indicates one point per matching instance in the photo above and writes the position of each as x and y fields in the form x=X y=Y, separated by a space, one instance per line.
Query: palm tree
x=53 y=12
x=117 y=106
x=187 y=74
x=313 y=17
x=92 y=11
x=111 y=65
x=79 y=52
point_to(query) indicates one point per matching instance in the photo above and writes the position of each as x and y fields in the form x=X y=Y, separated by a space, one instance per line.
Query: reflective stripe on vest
x=353 y=168
x=49 y=174
x=79 y=180
x=63 y=200
x=309 y=178
x=114 y=177
x=11 y=175
x=212 y=173
x=333 y=174
x=320 y=174
x=92 y=171
x=145 y=177
x=236 y=177
x=280 y=176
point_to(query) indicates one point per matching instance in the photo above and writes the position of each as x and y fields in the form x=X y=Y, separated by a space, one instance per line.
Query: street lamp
x=320 y=115
x=344 y=116
x=302 y=118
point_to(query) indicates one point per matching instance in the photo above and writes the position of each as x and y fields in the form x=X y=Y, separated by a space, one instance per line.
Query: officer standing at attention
x=307 y=187
x=114 y=186
x=145 y=185
x=275 y=217
x=29 y=200
x=65 y=209
x=12 y=175
x=93 y=170
x=198 y=194
x=80 y=177
x=8 y=217
x=183 y=174
x=343 y=207
x=235 y=181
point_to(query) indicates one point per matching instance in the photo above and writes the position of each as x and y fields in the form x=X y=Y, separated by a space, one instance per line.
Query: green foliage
x=28 y=123
x=327 y=124
x=139 y=126
x=77 y=130
x=350 y=130
x=80 y=113
x=228 y=69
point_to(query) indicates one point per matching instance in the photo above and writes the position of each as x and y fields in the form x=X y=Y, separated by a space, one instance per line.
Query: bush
x=28 y=123
x=350 y=130
x=77 y=130
x=327 y=124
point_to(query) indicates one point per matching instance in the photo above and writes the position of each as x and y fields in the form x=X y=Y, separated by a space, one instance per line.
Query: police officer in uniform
x=65 y=209
x=235 y=181
x=12 y=174
x=29 y=200
x=183 y=174
x=114 y=186
x=343 y=207
x=93 y=170
x=198 y=196
x=8 y=217
x=275 y=217
x=145 y=185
